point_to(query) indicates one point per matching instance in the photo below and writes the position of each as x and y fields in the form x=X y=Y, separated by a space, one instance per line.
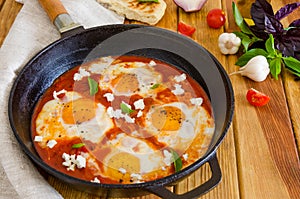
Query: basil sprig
x=264 y=26
x=275 y=59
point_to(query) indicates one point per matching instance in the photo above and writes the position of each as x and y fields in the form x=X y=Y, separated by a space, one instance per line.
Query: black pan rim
x=159 y=182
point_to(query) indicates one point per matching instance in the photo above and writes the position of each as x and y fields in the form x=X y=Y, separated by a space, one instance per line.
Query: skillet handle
x=58 y=15
x=196 y=192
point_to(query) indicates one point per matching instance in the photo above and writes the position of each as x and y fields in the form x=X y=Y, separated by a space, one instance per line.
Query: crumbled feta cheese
x=139 y=104
x=80 y=162
x=163 y=168
x=122 y=170
x=81 y=73
x=109 y=97
x=167 y=157
x=196 y=101
x=118 y=114
x=70 y=161
x=51 y=143
x=110 y=111
x=56 y=94
x=38 y=138
x=126 y=104
x=136 y=177
x=185 y=156
x=178 y=90
x=180 y=78
x=139 y=114
x=71 y=167
x=96 y=180
x=152 y=63
x=129 y=119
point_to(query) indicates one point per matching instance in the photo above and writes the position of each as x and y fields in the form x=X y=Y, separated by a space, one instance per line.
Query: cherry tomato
x=216 y=18
x=185 y=29
x=257 y=98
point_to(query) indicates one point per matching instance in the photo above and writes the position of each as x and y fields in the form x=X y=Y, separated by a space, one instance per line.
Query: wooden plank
x=291 y=83
x=8 y=12
x=208 y=38
x=268 y=162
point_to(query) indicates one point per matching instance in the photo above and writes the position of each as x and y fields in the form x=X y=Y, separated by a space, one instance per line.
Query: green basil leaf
x=246 y=40
x=125 y=108
x=154 y=86
x=144 y=1
x=275 y=67
x=77 y=146
x=177 y=161
x=292 y=64
x=243 y=60
x=93 y=86
x=239 y=20
x=270 y=47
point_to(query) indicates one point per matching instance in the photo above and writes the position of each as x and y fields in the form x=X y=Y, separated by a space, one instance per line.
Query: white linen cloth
x=32 y=31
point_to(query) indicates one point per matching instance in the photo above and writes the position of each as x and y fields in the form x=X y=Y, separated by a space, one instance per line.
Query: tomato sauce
x=53 y=156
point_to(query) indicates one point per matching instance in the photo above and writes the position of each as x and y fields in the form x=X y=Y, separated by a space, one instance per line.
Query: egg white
x=195 y=123
x=50 y=124
x=145 y=74
x=149 y=159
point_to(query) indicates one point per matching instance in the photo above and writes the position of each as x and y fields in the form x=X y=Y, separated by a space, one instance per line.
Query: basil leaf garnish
x=93 y=86
x=77 y=146
x=177 y=161
x=125 y=108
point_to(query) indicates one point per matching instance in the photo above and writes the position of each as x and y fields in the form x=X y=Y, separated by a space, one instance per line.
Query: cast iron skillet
x=85 y=45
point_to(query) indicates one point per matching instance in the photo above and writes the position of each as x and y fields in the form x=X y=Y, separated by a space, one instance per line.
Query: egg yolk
x=127 y=83
x=125 y=161
x=78 y=111
x=167 y=118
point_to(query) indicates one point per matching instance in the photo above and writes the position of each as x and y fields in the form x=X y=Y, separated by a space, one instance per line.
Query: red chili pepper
x=186 y=29
x=257 y=98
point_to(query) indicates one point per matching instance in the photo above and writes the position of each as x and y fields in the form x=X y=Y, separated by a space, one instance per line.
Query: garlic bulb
x=229 y=43
x=256 y=69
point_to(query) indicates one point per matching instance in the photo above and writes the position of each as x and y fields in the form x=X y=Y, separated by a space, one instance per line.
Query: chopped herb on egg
x=155 y=86
x=125 y=108
x=93 y=86
x=77 y=146
x=177 y=160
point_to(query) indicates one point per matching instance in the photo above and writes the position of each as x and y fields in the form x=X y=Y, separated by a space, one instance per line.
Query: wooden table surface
x=259 y=156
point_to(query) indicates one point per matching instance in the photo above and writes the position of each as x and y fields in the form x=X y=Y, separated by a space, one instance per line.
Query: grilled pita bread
x=147 y=12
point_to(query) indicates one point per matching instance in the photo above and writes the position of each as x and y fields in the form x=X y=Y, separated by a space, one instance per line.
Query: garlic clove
x=190 y=5
x=256 y=69
x=258 y=77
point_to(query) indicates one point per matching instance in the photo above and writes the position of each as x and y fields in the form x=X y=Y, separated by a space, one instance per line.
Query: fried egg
x=127 y=78
x=130 y=156
x=72 y=116
x=176 y=124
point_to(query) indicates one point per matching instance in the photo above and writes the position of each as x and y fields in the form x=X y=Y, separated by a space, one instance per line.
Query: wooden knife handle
x=53 y=8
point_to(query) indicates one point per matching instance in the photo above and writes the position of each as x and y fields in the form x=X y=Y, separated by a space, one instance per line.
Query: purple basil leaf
x=260 y=33
x=286 y=10
x=295 y=23
x=289 y=43
x=258 y=11
x=286 y=48
x=293 y=35
x=273 y=25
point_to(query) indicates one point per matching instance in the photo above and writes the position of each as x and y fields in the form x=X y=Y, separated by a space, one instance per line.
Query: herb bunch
x=268 y=37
